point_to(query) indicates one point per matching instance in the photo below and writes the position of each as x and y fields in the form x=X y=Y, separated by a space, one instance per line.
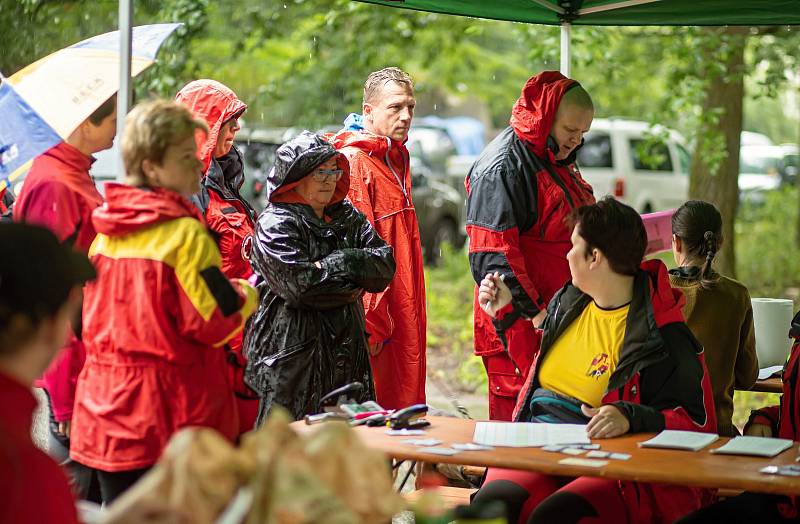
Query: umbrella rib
x=611 y=7
x=547 y=5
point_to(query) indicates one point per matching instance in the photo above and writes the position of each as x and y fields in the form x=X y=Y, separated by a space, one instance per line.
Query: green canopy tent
x=613 y=12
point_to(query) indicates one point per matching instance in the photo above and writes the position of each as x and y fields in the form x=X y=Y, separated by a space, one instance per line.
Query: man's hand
x=758 y=430
x=64 y=428
x=607 y=421
x=375 y=349
x=539 y=318
x=493 y=294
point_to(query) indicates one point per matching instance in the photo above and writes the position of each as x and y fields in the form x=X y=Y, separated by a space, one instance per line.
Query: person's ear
x=677 y=243
x=148 y=169
x=366 y=110
x=596 y=258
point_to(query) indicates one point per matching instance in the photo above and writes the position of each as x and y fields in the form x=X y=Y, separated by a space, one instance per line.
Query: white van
x=623 y=158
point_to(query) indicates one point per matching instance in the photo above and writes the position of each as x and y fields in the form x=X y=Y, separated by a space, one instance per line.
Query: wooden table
x=700 y=469
x=769 y=385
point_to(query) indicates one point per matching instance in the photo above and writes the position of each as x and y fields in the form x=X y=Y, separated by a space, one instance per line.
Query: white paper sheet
x=528 y=434
x=687 y=440
x=765 y=373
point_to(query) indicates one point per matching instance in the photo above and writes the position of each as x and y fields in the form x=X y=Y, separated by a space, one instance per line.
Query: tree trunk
x=725 y=93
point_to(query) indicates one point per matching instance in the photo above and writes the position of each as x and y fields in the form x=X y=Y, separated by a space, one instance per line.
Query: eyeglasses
x=322 y=175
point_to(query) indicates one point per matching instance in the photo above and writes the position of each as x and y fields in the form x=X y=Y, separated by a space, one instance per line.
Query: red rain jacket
x=380 y=187
x=518 y=196
x=59 y=194
x=228 y=214
x=155 y=321
x=660 y=382
x=34 y=488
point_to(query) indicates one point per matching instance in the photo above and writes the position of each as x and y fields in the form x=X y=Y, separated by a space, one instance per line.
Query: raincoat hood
x=215 y=103
x=297 y=158
x=535 y=111
x=353 y=134
x=667 y=301
x=128 y=209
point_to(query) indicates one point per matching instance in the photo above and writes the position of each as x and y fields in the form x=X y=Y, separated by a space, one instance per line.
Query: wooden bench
x=451 y=496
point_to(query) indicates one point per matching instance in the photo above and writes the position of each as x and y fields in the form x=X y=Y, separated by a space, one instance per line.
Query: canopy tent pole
x=611 y=7
x=125 y=94
x=566 y=35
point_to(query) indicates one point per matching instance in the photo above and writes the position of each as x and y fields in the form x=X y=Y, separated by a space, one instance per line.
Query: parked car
x=440 y=211
x=438 y=189
x=258 y=146
x=632 y=162
x=759 y=171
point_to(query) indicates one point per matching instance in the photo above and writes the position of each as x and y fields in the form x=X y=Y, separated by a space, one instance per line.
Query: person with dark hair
x=40 y=295
x=316 y=255
x=615 y=355
x=227 y=213
x=156 y=319
x=519 y=192
x=380 y=187
x=60 y=195
x=718 y=308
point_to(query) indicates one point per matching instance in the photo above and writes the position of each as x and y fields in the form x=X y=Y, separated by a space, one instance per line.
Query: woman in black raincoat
x=315 y=255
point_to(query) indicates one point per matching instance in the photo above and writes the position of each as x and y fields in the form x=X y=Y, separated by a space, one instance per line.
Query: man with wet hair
x=380 y=187
x=519 y=192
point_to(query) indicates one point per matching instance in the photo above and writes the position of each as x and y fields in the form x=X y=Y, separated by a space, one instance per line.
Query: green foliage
x=449 y=292
x=768 y=260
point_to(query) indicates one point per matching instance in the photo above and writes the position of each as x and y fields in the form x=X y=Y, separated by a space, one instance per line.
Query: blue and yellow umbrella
x=45 y=102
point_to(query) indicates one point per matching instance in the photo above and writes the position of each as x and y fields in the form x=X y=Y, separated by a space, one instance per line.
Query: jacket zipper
x=396 y=176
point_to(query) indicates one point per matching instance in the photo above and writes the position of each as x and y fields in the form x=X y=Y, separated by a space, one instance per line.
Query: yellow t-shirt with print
x=583 y=358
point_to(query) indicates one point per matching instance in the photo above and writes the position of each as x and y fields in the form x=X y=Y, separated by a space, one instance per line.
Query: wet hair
x=576 y=96
x=102 y=112
x=615 y=229
x=377 y=79
x=150 y=128
x=699 y=226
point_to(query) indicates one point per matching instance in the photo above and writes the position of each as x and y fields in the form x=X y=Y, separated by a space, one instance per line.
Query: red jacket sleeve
x=499 y=206
x=211 y=308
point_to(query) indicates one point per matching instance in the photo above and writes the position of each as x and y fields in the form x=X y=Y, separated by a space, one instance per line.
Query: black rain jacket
x=308 y=336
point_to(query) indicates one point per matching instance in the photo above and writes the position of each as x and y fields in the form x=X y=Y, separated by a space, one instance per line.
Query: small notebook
x=755 y=446
x=686 y=440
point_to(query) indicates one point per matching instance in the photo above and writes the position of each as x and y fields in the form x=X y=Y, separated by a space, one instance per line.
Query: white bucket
x=772 y=318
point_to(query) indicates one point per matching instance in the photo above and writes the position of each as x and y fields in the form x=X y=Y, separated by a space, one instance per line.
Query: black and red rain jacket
x=518 y=199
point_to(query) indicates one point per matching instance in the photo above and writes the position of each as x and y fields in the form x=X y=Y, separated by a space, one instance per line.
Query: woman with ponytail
x=717 y=308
